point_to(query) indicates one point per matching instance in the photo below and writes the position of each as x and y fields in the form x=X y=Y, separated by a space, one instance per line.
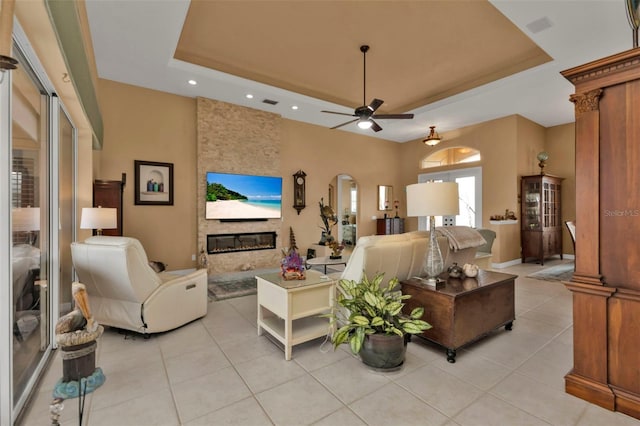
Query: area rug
x=561 y=272
x=222 y=290
x=234 y=284
x=238 y=284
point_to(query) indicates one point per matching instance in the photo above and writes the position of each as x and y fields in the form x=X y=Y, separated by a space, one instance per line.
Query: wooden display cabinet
x=541 y=232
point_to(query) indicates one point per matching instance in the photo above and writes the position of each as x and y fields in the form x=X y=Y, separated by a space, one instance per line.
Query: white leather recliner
x=125 y=292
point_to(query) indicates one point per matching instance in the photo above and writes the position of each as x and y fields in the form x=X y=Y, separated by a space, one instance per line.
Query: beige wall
x=149 y=125
x=142 y=124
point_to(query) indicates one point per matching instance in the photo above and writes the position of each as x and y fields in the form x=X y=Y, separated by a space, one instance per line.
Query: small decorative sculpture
x=203 y=261
x=78 y=320
x=470 y=270
x=76 y=334
x=454 y=271
x=292 y=266
x=336 y=248
x=329 y=219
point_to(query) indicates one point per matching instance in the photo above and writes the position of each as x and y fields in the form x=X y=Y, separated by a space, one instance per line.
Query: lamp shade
x=432 y=199
x=26 y=219
x=99 y=218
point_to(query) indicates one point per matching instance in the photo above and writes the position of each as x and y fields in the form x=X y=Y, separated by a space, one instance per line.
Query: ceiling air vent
x=539 y=25
x=270 y=102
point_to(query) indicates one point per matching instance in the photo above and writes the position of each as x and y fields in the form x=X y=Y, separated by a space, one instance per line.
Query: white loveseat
x=400 y=255
x=125 y=292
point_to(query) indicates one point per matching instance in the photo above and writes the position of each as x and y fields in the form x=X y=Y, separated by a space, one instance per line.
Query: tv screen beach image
x=235 y=196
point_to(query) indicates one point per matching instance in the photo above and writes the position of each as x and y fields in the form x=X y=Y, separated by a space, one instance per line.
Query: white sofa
x=125 y=292
x=399 y=255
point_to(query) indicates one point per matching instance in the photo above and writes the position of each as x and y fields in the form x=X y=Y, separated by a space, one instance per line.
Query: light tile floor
x=217 y=371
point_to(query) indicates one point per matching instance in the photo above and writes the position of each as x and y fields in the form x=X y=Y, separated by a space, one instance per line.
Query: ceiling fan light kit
x=365 y=114
x=433 y=138
x=364 y=124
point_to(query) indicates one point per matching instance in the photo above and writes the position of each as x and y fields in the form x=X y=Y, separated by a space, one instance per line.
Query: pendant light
x=433 y=138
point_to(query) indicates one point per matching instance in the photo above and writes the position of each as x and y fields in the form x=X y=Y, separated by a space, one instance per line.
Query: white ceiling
x=134 y=42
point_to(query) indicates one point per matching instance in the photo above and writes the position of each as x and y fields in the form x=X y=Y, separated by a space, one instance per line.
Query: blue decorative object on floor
x=71 y=389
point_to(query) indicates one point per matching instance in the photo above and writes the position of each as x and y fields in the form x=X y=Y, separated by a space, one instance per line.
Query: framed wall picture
x=154 y=183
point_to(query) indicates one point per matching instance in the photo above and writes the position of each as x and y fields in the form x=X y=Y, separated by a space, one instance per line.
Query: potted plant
x=371 y=320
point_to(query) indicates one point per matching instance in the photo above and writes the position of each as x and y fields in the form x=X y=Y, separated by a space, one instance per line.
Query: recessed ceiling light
x=192 y=82
x=249 y=96
x=294 y=107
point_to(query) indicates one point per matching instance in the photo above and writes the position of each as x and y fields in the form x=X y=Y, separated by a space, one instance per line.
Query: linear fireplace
x=227 y=243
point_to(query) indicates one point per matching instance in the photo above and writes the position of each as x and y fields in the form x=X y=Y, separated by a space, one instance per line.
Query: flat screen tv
x=243 y=197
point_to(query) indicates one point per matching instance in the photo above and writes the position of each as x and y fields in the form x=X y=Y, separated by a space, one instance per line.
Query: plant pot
x=337 y=256
x=383 y=351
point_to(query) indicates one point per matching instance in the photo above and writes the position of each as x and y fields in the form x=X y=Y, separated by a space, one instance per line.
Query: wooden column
x=606 y=283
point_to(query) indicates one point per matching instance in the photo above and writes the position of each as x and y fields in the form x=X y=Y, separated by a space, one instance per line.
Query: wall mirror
x=346 y=207
x=385 y=197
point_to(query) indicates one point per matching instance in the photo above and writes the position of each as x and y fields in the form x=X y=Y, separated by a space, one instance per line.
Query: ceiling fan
x=366 y=113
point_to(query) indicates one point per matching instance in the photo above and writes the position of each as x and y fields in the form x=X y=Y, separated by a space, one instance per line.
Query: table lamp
x=433 y=199
x=26 y=219
x=99 y=218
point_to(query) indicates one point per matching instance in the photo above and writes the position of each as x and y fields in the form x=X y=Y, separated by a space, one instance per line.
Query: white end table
x=290 y=310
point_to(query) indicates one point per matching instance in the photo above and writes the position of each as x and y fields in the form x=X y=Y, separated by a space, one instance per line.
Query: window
x=449 y=156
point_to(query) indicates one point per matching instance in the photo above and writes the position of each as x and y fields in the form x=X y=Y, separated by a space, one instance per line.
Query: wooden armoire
x=108 y=193
x=606 y=281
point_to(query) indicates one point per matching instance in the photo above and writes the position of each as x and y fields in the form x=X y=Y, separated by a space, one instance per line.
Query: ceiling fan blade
x=340 y=113
x=393 y=116
x=375 y=126
x=375 y=104
x=344 y=124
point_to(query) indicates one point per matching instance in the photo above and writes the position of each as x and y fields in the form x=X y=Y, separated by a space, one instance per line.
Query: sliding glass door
x=67 y=201
x=37 y=186
x=30 y=226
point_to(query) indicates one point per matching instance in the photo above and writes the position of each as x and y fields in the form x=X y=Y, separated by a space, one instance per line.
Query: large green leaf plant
x=368 y=308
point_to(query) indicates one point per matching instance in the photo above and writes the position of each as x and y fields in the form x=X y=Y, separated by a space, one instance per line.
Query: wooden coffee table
x=463 y=310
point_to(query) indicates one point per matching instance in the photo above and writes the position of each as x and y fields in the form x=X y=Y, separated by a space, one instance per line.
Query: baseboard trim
x=506 y=264
x=627 y=402
x=589 y=390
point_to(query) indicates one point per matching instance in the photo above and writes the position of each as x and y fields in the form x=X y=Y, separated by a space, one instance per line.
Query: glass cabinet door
x=531 y=205
x=551 y=204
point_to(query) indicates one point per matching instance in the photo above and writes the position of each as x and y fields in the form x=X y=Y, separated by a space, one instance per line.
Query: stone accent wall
x=236 y=139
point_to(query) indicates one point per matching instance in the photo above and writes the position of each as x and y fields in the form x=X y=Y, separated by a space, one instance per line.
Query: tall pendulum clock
x=298 y=190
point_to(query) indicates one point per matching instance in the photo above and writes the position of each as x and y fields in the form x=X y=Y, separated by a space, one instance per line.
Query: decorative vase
x=383 y=351
x=335 y=256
